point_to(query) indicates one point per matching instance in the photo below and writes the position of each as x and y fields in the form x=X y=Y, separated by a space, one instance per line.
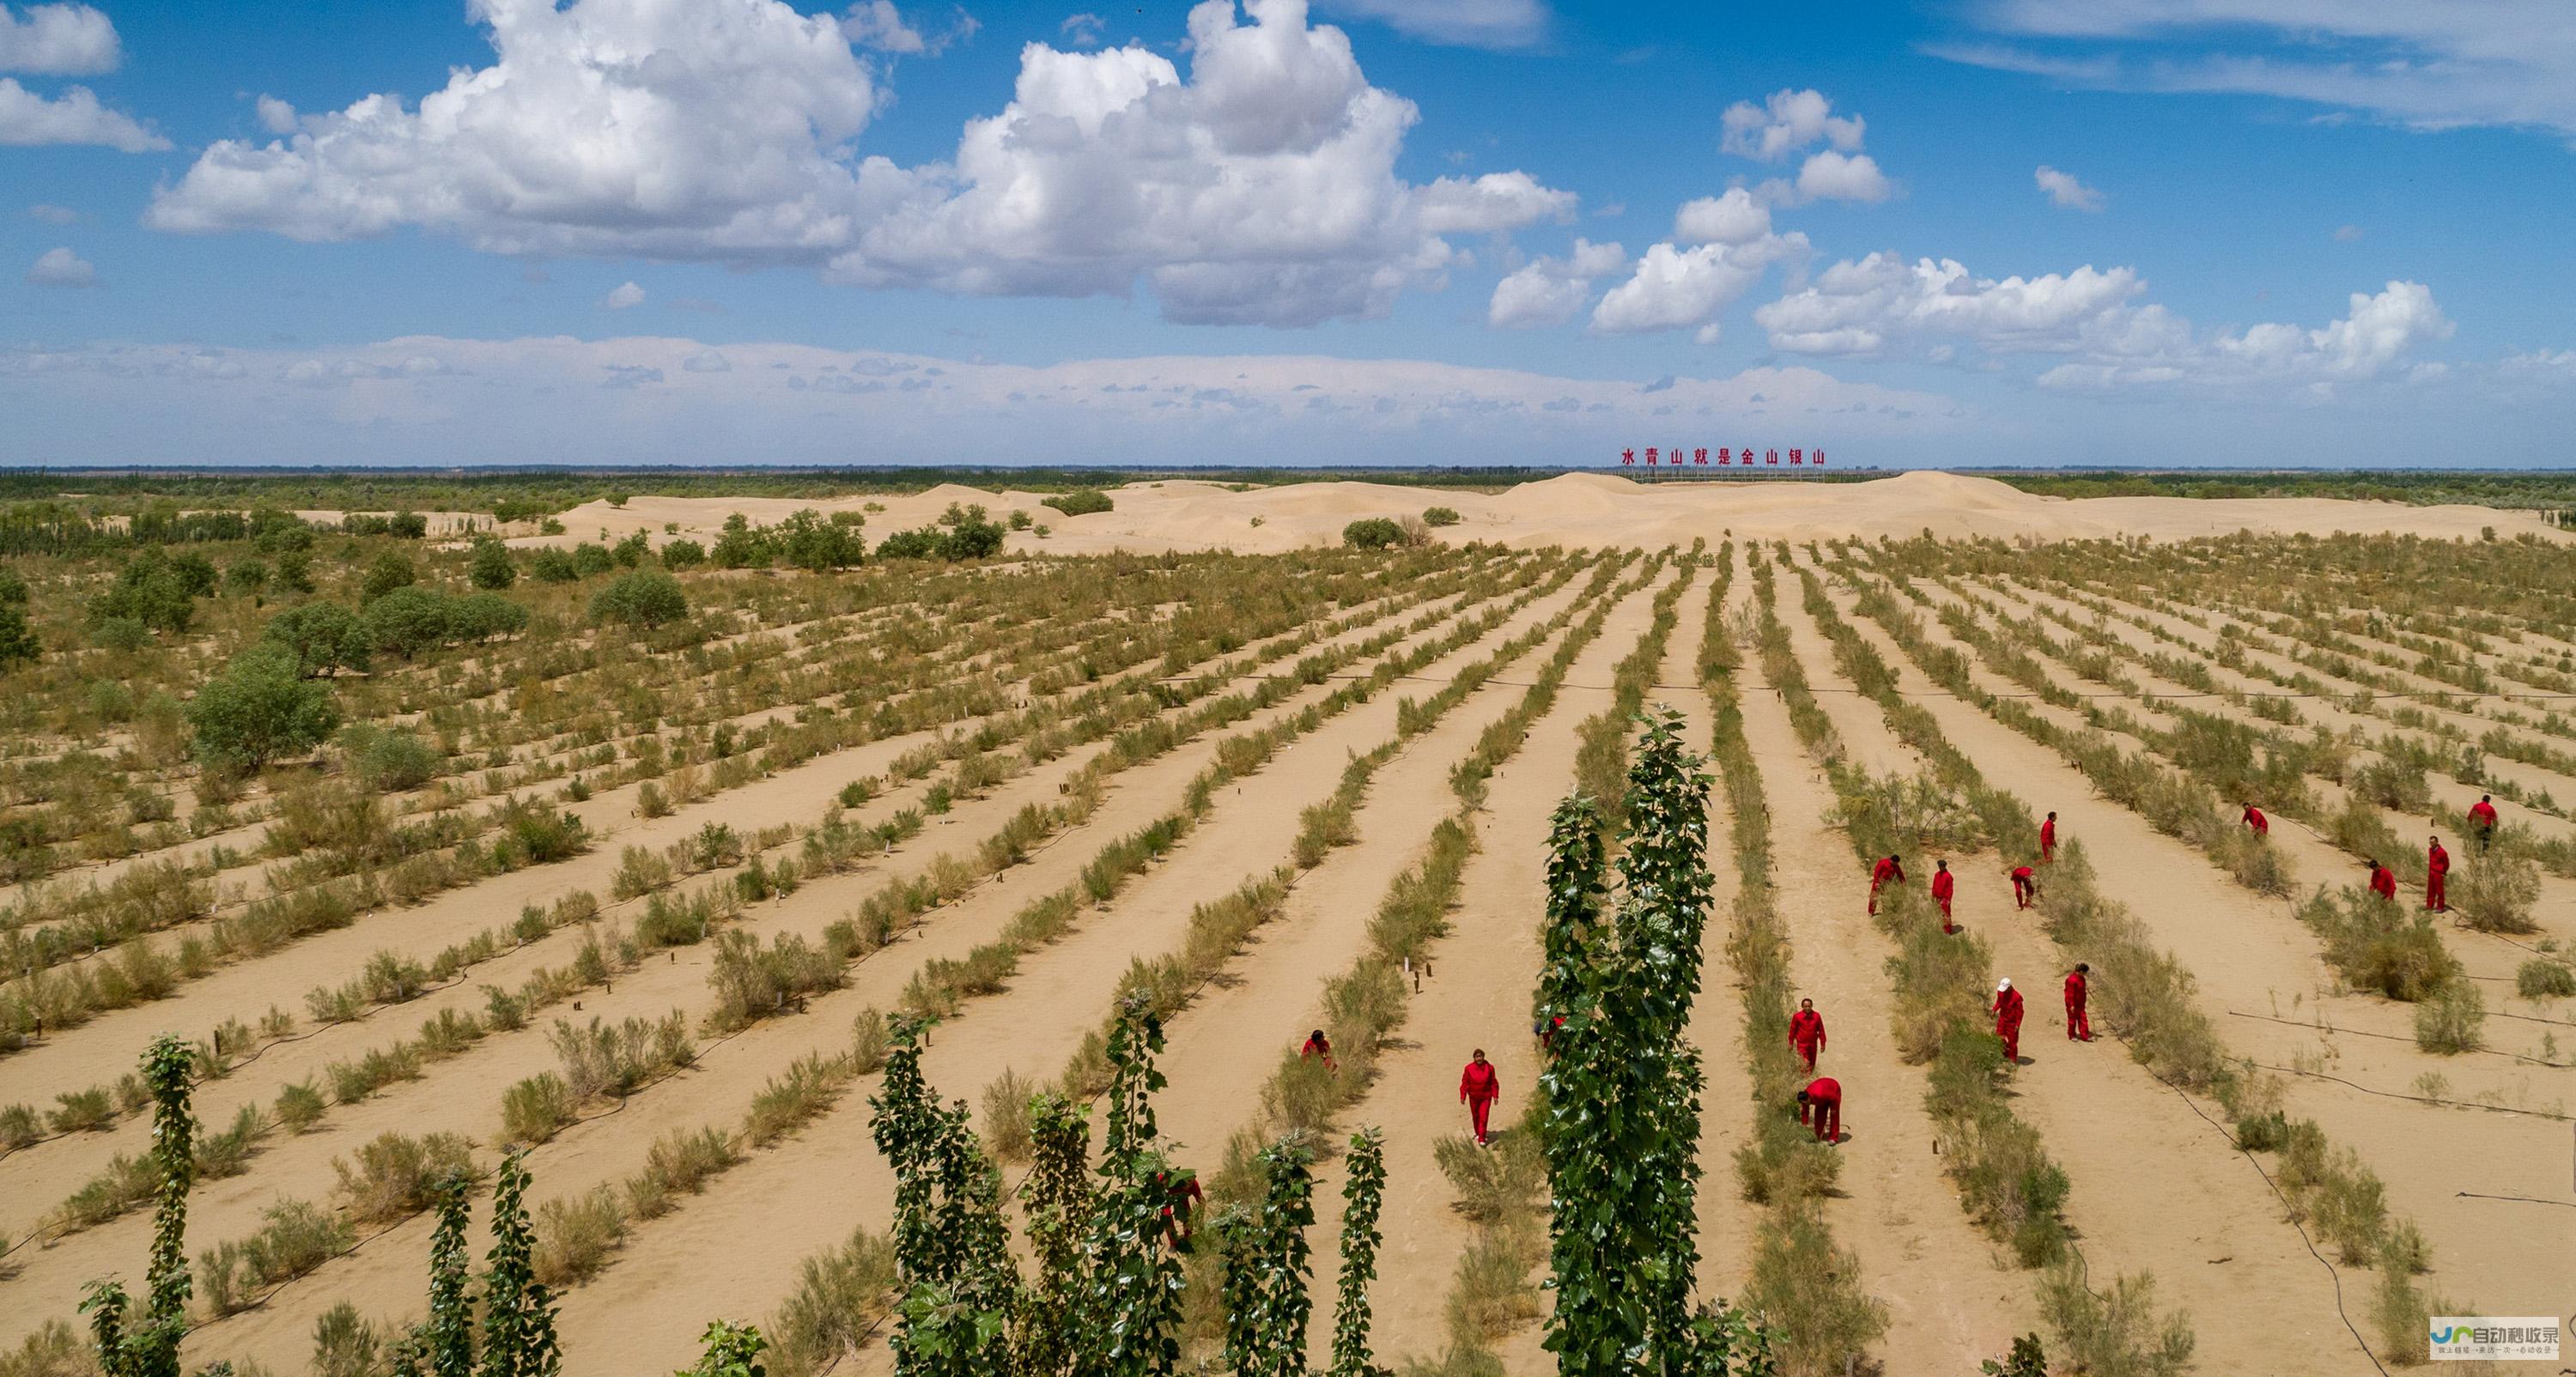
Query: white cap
x=2002 y=985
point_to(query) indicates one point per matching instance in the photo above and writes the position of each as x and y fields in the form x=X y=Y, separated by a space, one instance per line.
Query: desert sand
x=1580 y=510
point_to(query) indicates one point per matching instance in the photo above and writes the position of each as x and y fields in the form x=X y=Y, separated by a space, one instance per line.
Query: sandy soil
x=2156 y=1185
x=1592 y=510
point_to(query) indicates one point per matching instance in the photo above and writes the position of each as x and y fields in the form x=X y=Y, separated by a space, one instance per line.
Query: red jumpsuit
x=2078 y=1027
x=2482 y=816
x=2024 y=887
x=2007 y=1012
x=1807 y=1035
x=1943 y=886
x=2383 y=882
x=2048 y=841
x=2254 y=818
x=1478 y=1088
x=1825 y=1103
x=1885 y=873
x=2437 y=865
x=1318 y=1047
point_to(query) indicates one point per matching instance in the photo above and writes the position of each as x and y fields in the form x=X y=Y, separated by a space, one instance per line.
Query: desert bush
x=219 y=1155
x=787 y=1101
x=2495 y=893
x=80 y=1111
x=680 y=1163
x=868 y=1042
x=299 y=1107
x=576 y=1234
x=2450 y=1018
x=1006 y=1117
x=347 y=1344
x=1441 y=516
x=1372 y=533
x=294 y=1237
x=537 y=1108
x=753 y=983
x=604 y=1059
x=2117 y=1333
x=1808 y=1292
x=2543 y=978
x=1080 y=502
x=394 y=1174
x=840 y=1297
x=642 y=598
x=2379 y=946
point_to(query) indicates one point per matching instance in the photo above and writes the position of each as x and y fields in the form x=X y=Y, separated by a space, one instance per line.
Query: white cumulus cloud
x=57 y=40
x=622 y=296
x=53 y=215
x=62 y=268
x=1673 y=288
x=1787 y=122
x=1733 y=218
x=1261 y=188
x=2065 y=192
x=1880 y=301
x=1548 y=291
x=1831 y=176
x=879 y=25
x=74 y=117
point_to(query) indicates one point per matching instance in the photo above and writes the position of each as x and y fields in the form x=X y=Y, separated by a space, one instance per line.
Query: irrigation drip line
x=2420 y=1099
x=2525 y=1199
x=2288 y=1211
x=2397 y=1037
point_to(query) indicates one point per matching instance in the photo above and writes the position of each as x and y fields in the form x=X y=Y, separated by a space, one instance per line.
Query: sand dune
x=1587 y=510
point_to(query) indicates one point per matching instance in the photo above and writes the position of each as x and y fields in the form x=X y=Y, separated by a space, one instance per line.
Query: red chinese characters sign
x=1725 y=456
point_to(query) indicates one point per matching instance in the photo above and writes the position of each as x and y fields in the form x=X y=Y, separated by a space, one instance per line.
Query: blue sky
x=1994 y=231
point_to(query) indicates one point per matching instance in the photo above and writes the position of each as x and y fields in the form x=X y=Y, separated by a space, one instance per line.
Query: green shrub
x=2449 y=1020
x=394 y=1174
x=575 y=1235
x=1441 y=516
x=2543 y=978
x=1372 y=533
x=642 y=598
x=536 y=1108
x=1080 y=502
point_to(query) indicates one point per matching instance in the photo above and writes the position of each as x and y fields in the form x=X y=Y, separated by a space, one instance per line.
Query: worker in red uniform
x=1478 y=1088
x=2048 y=840
x=2383 y=881
x=1823 y=1099
x=1943 y=886
x=1318 y=1045
x=1181 y=1196
x=2078 y=1027
x=1889 y=871
x=2437 y=867
x=1807 y=1032
x=2254 y=818
x=2007 y=1012
x=2025 y=886
x=2482 y=820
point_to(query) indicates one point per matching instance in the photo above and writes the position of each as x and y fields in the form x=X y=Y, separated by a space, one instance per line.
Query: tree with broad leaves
x=148 y=1346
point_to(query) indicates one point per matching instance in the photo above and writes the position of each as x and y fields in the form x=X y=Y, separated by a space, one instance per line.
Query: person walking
x=1821 y=1104
x=2048 y=840
x=1807 y=1032
x=2482 y=820
x=2437 y=870
x=2078 y=1027
x=1889 y=871
x=1478 y=1088
x=1944 y=884
x=2007 y=1012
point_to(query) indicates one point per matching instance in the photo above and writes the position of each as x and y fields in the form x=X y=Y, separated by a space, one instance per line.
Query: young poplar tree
x=1622 y=1082
x=952 y=1250
x=1055 y=1199
x=518 y=1309
x=149 y=1346
x=1267 y=1267
x=1131 y=1315
x=1363 y=1191
x=443 y=1344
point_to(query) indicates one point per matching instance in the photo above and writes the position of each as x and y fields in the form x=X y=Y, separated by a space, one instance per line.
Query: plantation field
x=694 y=887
